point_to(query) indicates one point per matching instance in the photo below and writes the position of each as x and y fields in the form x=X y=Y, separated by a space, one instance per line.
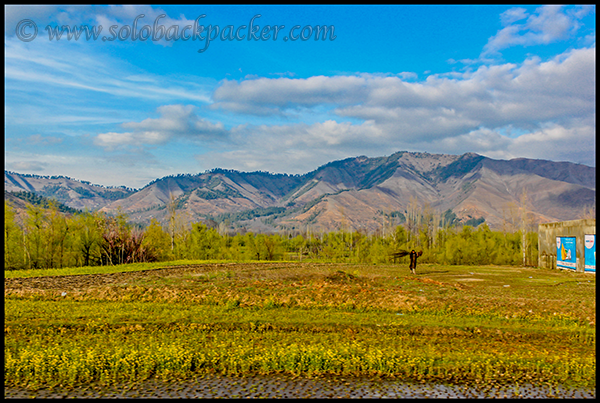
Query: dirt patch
x=86 y=281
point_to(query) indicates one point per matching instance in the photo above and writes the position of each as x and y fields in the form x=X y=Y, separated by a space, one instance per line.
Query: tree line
x=43 y=237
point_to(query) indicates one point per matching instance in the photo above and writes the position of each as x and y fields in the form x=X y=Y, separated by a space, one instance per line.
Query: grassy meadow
x=478 y=325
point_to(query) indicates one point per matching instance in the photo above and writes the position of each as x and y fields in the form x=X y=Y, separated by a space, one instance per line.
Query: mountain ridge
x=355 y=192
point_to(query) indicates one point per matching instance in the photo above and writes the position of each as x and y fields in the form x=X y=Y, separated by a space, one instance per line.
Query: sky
x=154 y=91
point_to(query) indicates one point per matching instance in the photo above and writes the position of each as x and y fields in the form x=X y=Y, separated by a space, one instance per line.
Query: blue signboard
x=566 y=252
x=590 y=253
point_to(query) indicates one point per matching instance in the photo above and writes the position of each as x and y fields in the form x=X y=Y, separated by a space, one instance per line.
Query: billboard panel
x=590 y=253
x=566 y=252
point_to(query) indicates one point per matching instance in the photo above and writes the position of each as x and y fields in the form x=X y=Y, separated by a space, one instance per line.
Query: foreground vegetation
x=484 y=325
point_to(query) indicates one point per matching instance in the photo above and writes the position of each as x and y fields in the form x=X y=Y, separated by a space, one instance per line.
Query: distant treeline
x=42 y=201
x=249 y=214
x=68 y=178
x=42 y=237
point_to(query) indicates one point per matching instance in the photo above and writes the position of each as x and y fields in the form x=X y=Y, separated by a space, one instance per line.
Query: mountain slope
x=354 y=193
x=71 y=192
x=471 y=185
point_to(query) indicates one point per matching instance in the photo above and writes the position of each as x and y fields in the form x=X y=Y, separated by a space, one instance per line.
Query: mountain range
x=358 y=193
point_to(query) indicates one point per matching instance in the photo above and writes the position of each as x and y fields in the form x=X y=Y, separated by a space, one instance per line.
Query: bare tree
x=436 y=222
x=172 y=216
x=177 y=223
x=429 y=223
x=413 y=215
x=527 y=221
x=510 y=217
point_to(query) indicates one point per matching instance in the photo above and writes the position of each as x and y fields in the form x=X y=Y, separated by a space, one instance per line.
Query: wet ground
x=215 y=386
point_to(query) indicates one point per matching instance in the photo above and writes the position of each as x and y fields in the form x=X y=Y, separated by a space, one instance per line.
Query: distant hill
x=71 y=192
x=354 y=193
x=23 y=199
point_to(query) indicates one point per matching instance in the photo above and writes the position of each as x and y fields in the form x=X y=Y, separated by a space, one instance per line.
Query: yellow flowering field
x=488 y=325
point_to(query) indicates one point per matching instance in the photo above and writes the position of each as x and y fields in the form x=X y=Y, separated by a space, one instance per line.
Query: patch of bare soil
x=87 y=281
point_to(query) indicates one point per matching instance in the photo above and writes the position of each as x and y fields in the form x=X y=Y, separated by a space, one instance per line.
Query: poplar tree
x=14 y=252
x=157 y=243
x=35 y=225
x=88 y=227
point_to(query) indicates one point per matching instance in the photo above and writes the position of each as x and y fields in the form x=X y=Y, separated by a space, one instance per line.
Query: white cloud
x=274 y=95
x=90 y=70
x=549 y=106
x=43 y=140
x=546 y=25
x=576 y=142
x=297 y=160
x=294 y=148
x=513 y=15
x=329 y=134
x=102 y=17
x=121 y=16
x=106 y=170
x=302 y=148
x=29 y=160
x=492 y=96
x=175 y=122
x=27 y=166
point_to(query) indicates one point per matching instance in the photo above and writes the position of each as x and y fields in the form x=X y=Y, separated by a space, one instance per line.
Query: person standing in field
x=413 y=260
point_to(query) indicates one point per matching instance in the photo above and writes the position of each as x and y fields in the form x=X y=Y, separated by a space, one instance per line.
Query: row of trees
x=42 y=237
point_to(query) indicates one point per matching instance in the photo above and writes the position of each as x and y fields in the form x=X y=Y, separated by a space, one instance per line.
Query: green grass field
x=485 y=325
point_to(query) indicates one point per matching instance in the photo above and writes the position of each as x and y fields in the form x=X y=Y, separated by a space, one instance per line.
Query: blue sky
x=501 y=81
